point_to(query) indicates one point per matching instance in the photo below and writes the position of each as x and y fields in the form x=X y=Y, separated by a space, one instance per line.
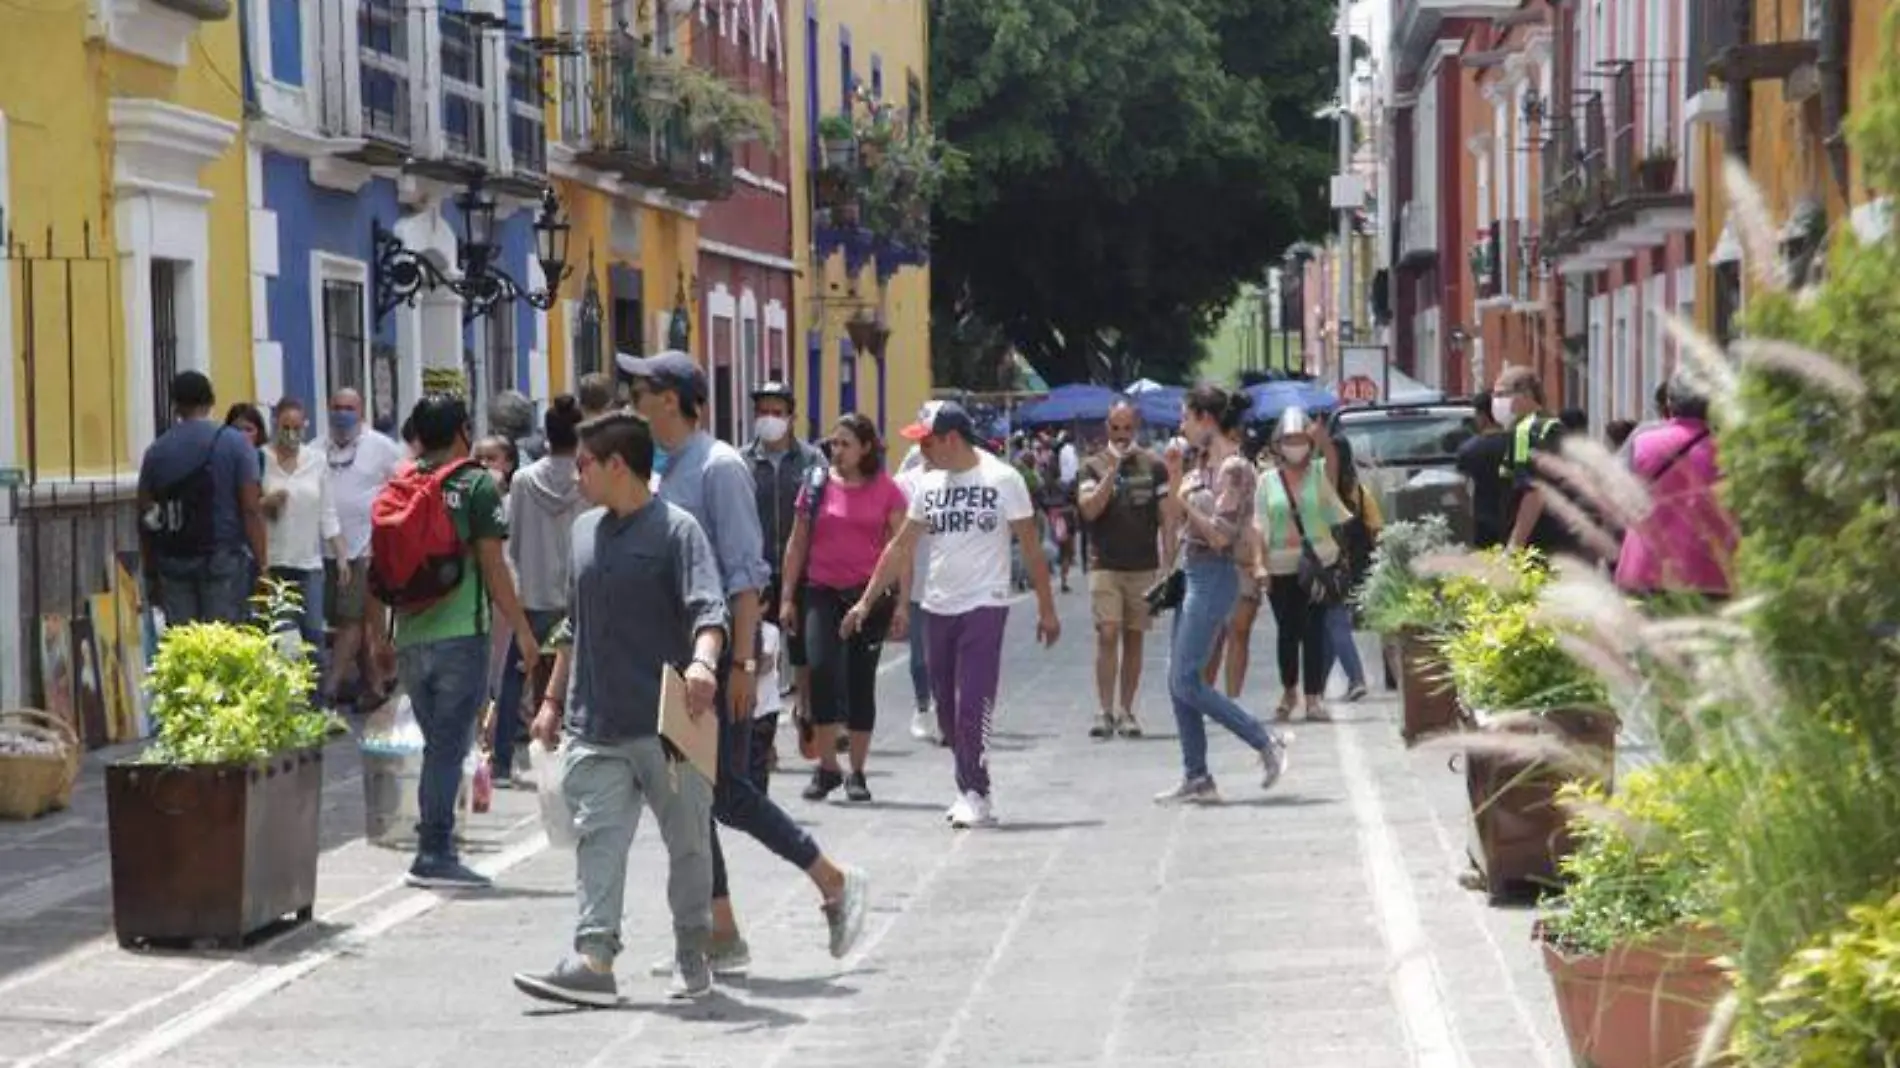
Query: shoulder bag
x=1324 y=583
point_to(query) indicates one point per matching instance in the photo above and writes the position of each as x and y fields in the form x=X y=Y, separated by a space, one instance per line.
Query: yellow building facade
x=882 y=46
x=122 y=182
x=1787 y=84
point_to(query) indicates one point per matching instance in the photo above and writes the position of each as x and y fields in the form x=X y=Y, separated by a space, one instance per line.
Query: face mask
x=1295 y=452
x=289 y=438
x=771 y=428
x=1501 y=410
x=343 y=424
x=661 y=458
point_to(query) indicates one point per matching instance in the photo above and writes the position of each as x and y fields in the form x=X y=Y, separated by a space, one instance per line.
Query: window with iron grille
x=343 y=339
x=165 y=285
x=587 y=339
x=501 y=350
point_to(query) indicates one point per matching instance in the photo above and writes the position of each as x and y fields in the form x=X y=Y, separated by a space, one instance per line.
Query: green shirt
x=476 y=507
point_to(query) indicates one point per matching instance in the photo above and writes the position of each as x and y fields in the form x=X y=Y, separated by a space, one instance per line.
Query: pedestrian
x=499 y=455
x=201 y=530
x=1216 y=501
x=1233 y=645
x=597 y=395
x=710 y=480
x=1686 y=544
x=847 y=513
x=361 y=460
x=1123 y=500
x=1357 y=537
x=971 y=505
x=780 y=463
x=248 y=420
x=1299 y=507
x=511 y=416
x=300 y=508
x=1481 y=460
x=924 y=725
x=1517 y=403
x=605 y=696
x=542 y=508
x=442 y=593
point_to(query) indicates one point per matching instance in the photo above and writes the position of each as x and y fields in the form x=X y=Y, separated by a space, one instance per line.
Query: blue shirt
x=234 y=464
x=713 y=483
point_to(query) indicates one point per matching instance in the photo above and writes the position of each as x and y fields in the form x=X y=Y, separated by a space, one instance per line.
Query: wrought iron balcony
x=384 y=116
x=614 y=120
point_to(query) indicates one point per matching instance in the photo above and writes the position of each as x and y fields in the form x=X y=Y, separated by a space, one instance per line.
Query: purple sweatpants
x=966 y=658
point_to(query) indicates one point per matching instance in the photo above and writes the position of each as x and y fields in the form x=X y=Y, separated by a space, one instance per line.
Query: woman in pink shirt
x=1687 y=543
x=845 y=515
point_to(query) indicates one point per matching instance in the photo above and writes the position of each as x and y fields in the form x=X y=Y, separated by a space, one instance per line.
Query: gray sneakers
x=571 y=982
x=845 y=916
x=1273 y=761
x=1199 y=791
x=692 y=978
x=726 y=959
x=445 y=873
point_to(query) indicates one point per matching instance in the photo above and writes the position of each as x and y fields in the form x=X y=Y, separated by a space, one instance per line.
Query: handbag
x=1324 y=584
x=1167 y=594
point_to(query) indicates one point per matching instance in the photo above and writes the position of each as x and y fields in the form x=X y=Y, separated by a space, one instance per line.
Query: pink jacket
x=1688 y=541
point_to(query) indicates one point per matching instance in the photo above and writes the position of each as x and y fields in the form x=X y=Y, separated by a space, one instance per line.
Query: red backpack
x=416 y=555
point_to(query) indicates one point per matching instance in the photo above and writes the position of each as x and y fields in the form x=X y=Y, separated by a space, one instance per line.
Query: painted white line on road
x=1111 y=1044
x=1431 y=1036
x=180 y=1029
x=948 y=1043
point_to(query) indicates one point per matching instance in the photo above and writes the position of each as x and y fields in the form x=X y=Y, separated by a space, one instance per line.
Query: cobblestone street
x=1318 y=926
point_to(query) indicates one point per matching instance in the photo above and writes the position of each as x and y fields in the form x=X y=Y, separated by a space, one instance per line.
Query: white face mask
x=771 y=428
x=1296 y=452
x=1501 y=411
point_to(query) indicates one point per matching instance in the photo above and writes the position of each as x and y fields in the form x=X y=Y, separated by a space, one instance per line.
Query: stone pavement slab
x=1319 y=925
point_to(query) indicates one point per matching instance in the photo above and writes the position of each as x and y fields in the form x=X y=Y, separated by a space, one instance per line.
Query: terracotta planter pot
x=213 y=853
x=1657 y=175
x=1428 y=703
x=1518 y=833
x=1643 y=1005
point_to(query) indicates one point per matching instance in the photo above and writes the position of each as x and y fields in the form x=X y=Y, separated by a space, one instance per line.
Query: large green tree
x=1131 y=163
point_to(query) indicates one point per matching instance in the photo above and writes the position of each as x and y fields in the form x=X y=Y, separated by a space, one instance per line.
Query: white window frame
x=748 y=363
x=1622 y=356
x=11 y=638
x=778 y=326
x=330 y=267
x=1655 y=368
x=721 y=306
x=1599 y=359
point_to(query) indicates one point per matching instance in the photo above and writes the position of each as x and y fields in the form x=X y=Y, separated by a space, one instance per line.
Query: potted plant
x=1630 y=947
x=1543 y=721
x=1405 y=608
x=1658 y=170
x=1836 y=1001
x=868 y=334
x=213 y=828
x=838 y=141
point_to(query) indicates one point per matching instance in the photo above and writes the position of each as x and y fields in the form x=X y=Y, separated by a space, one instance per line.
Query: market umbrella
x=1272 y=398
x=1069 y=404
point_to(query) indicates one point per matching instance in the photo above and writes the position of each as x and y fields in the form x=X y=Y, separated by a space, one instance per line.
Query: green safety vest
x=1529 y=432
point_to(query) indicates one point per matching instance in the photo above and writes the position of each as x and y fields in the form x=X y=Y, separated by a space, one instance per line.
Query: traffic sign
x=1359 y=389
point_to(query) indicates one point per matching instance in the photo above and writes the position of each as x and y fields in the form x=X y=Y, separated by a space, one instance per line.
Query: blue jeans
x=309 y=619
x=739 y=799
x=446 y=682
x=1342 y=649
x=205 y=589
x=508 y=701
x=919 y=659
x=1213 y=586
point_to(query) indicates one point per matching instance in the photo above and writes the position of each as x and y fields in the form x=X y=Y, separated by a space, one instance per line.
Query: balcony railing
x=1645 y=135
x=465 y=113
x=613 y=120
x=382 y=41
x=1715 y=26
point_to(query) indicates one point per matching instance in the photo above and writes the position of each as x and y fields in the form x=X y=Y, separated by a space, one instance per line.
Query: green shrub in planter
x=1838 y=1001
x=1395 y=596
x=1503 y=658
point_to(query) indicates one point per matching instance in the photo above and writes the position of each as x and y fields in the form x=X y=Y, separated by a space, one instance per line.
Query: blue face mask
x=661 y=458
x=343 y=424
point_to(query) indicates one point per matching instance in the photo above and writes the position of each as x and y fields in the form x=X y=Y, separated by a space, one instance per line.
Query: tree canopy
x=1131 y=162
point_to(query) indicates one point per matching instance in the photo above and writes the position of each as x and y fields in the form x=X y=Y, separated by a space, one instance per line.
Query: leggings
x=1302 y=635
x=843 y=671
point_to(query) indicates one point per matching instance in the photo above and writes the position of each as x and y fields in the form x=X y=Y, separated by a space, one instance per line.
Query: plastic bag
x=557 y=819
x=392 y=730
x=484 y=786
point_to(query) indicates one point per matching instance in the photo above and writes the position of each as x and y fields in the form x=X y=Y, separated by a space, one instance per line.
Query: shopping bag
x=557 y=819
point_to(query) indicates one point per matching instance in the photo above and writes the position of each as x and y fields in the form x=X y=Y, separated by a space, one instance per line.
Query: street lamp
x=402 y=274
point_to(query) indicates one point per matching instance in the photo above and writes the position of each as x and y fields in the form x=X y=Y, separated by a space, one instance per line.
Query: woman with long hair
x=1233 y=647
x=1216 y=497
x=845 y=515
x=1299 y=505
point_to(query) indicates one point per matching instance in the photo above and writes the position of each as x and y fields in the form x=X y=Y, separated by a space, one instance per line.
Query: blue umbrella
x=1160 y=406
x=1068 y=404
x=1272 y=398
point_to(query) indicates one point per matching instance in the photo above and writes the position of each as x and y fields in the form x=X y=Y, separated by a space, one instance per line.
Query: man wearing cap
x=780 y=464
x=711 y=481
x=970 y=504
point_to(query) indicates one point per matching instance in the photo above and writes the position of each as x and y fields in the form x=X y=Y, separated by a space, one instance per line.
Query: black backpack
x=181 y=521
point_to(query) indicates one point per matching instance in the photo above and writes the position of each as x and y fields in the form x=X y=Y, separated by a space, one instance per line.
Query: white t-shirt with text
x=966 y=517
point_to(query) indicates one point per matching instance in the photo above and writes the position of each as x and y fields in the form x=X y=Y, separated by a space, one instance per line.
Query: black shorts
x=794 y=645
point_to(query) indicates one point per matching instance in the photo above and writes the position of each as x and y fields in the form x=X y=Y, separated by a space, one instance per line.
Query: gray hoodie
x=543 y=503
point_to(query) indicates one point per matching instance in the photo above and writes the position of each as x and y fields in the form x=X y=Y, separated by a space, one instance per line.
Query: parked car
x=1407 y=456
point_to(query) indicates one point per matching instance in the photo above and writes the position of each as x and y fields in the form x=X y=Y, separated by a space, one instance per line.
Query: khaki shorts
x=1119 y=598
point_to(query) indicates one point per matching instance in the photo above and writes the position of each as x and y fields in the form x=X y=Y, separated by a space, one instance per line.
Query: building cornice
x=159 y=145
x=746 y=255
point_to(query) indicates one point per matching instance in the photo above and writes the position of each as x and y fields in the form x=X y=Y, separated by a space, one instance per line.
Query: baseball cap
x=670 y=370
x=773 y=390
x=940 y=417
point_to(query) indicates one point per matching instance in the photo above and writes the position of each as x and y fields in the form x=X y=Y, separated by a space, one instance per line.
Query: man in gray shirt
x=632 y=551
x=709 y=479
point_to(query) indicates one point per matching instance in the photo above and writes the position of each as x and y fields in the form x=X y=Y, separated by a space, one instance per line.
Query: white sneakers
x=923 y=726
x=969 y=811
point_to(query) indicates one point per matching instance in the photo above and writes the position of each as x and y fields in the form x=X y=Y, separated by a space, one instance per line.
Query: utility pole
x=1346 y=182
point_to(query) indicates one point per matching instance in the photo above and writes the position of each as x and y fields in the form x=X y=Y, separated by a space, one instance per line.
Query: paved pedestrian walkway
x=1318 y=926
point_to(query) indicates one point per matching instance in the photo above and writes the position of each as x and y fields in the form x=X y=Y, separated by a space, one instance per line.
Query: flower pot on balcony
x=1658 y=174
x=868 y=336
x=213 y=852
x=840 y=153
x=1518 y=832
x=1642 y=1005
